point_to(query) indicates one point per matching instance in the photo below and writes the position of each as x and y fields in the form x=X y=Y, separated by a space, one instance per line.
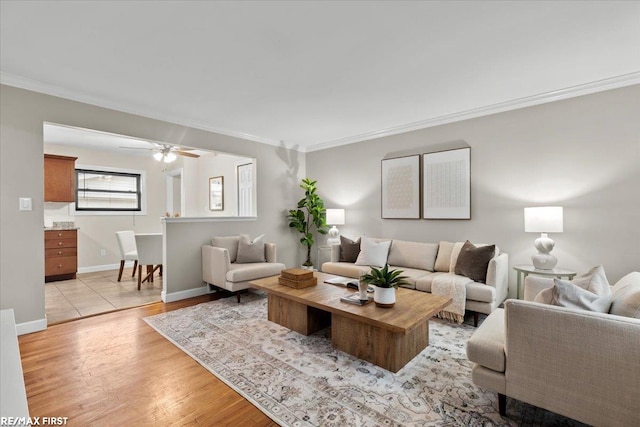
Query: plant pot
x=384 y=297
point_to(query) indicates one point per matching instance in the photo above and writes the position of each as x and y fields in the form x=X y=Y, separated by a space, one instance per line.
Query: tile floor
x=93 y=293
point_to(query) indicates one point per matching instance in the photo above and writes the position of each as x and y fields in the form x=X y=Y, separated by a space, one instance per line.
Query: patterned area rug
x=302 y=381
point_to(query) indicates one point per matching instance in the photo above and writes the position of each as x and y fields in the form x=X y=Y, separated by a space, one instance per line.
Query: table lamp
x=334 y=217
x=547 y=219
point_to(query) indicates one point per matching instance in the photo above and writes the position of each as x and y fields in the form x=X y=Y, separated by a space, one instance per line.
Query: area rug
x=301 y=380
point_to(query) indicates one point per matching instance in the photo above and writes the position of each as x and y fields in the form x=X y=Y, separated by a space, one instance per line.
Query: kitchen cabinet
x=60 y=254
x=59 y=178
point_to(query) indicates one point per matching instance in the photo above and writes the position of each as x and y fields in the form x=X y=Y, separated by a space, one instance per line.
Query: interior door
x=245 y=190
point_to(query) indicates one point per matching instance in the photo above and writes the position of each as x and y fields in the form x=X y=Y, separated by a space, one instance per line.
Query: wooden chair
x=149 y=254
x=128 y=251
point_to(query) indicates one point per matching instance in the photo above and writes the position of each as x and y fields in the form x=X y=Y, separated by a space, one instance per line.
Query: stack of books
x=297 y=278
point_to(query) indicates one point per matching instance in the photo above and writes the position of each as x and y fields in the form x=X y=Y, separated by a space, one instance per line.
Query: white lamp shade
x=547 y=219
x=335 y=216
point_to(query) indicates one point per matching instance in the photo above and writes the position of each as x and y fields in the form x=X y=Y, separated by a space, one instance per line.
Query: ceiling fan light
x=158 y=156
x=170 y=157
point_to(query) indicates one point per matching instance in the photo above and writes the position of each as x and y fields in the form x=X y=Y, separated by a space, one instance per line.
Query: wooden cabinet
x=60 y=254
x=59 y=178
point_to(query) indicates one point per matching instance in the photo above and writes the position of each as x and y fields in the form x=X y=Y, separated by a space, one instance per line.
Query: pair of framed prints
x=430 y=186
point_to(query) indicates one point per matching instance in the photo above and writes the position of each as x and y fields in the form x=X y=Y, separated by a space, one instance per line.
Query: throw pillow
x=473 y=261
x=230 y=243
x=594 y=281
x=444 y=256
x=626 y=296
x=372 y=253
x=566 y=294
x=349 y=249
x=250 y=251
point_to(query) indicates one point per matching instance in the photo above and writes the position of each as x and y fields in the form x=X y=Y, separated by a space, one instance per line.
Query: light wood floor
x=115 y=370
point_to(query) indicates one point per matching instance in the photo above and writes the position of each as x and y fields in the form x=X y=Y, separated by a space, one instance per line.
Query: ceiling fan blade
x=137 y=148
x=186 y=154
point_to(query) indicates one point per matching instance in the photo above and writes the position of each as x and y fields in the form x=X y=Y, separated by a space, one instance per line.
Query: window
x=108 y=191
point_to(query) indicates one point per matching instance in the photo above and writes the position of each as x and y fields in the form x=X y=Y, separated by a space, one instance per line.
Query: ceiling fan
x=166 y=152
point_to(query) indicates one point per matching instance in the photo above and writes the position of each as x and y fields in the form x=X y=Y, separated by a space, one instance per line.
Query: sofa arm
x=577 y=363
x=335 y=253
x=270 y=253
x=533 y=285
x=215 y=264
x=498 y=275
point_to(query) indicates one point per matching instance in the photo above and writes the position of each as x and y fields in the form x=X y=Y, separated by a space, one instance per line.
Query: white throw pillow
x=594 y=281
x=372 y=253
x=566 y=294
x=250 y=251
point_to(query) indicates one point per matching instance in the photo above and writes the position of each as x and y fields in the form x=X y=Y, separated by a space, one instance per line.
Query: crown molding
x=558 y=95
x=54 y=90
x=529 y=101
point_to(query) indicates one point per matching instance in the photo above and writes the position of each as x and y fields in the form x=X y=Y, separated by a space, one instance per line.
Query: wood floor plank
x=114 y=369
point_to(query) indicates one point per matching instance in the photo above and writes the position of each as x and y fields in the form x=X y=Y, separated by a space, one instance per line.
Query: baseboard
x=180 y=295
x=104 y=267
x=33 y=326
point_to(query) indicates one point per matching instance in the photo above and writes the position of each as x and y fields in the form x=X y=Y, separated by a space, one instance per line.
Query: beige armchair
x=581 y=364
x=221 y=269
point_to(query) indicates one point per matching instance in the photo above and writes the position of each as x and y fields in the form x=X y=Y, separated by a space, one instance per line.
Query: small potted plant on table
x=385 y=281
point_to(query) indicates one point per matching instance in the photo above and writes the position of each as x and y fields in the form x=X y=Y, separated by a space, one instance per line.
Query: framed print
x=447 y=184
x=401 y=188
x=216 y=193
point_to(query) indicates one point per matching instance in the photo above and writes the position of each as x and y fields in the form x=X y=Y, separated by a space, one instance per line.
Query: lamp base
x=334 y=236
x=544 y=261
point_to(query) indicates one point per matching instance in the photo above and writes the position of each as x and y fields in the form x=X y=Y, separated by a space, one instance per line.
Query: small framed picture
x=401 y=187
x=216 y=193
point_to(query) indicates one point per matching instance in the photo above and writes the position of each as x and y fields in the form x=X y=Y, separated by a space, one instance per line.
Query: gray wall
x=22 y=114
x=582 y=154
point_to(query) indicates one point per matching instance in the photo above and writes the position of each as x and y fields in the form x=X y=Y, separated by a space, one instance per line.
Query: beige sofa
x=422 y=262
x=580 y=364
x=221 y=269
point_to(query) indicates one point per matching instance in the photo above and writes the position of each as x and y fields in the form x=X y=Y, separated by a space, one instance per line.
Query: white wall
x=22 y=114
x=582 y=153
x=97 y=231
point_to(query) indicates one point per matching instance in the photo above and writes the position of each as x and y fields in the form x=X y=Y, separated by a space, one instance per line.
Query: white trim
x=104 y=267
x=207 y=219
x=529 y=101
x=33 y=326
x=54 y=90
x=180 y=295
x=557 y=95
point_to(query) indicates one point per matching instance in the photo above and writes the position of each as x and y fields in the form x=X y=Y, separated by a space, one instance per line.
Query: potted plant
x=385 y=281
x=309 y=214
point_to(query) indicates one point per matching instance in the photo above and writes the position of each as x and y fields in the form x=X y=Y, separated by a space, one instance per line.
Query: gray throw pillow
x=250 y=251
x=230 y=243
x=349 y=249
x=566 y=294
x=473 y=261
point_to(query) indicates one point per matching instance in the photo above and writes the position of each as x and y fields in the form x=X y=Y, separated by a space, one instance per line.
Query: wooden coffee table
x=387 y=337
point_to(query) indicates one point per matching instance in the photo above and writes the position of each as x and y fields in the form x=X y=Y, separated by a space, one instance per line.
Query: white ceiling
x=318 y=73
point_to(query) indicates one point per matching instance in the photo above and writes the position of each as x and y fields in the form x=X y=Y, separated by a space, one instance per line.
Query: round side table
x=525 y=270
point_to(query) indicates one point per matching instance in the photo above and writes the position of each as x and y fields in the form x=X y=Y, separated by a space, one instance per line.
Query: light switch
x=25 y=204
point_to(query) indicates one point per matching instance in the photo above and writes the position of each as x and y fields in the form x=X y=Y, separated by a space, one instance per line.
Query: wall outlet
x=103 y=252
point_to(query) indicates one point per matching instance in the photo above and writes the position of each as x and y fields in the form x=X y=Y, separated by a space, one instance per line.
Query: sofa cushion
x=230 y=243
x=411 y=274
x=345 y=269
x=250 y=251
x=480 y=292
x=567 y=294
x=423 y=283
x=473 y=261
x=626 y=296
x=594 y=281
x=253 y=271
x=349 y=249
x=373 y=253
x=443 y=260
x=486 y=345
x=413 y=254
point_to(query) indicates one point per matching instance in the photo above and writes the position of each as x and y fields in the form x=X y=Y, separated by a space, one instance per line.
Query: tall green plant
x=309 y=214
